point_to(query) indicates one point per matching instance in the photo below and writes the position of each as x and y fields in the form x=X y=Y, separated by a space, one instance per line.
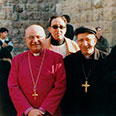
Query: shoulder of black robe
x=110 y=61
x=110 y=81
x=71 y=58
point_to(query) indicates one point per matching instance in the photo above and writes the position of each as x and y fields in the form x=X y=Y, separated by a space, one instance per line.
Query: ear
x=24 y=38
x=95 y=40
x=49 y=29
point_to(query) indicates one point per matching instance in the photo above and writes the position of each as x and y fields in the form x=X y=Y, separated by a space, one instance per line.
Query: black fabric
x=111 y=60
x=5 y=53
x=6 y=105
x=97 y=101
x=70 y=32
x=1 y=43
x=7 y=48
x=7 y=41
x=84 y=29
x=57 y=43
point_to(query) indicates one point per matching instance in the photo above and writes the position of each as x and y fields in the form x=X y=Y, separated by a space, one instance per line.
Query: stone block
x=31 y=1
x=97 y=4
x=111 y=3
x=107 y=27
x=114 y=13
x=46 y=15
x=17 y=24
x=14 y=1
x=39 y=1
x=46 y=7
x=2 y=1
x=34 y=15
x=2 y=15
x=24 y=16
x=24 y=1
x=86 y=4
x=32 y=7
x=107 y=14
x=15 y=16
x=113 y=42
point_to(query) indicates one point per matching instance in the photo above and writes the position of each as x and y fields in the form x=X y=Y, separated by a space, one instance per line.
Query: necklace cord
x=87 y=75
x=30 y=68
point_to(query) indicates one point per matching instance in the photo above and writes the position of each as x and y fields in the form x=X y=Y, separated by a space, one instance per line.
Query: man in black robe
x=87 y=87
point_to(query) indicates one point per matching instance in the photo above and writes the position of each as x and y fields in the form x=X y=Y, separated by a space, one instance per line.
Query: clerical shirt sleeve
x=54 y=97
x=20 y=102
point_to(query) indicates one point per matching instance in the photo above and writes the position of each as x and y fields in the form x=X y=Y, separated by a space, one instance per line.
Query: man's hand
x=4 y=45
x=35 y=112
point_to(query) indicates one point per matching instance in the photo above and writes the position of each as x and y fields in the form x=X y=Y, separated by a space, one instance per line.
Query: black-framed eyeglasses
x=56 y=27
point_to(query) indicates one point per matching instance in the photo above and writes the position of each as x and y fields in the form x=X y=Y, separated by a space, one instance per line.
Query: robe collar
x=38 y=54
x=94 y=56
x=55 y=42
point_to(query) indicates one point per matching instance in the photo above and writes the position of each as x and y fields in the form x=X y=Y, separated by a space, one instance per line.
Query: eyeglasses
x=56 y=27
x=32 y=37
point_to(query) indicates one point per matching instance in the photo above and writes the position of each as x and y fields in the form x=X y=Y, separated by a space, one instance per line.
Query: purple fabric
x=43 y=110
x=28 y=110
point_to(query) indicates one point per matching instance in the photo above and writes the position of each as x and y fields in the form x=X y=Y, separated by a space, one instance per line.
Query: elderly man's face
x=57 y=28
x=35 y=37
x=86 y=42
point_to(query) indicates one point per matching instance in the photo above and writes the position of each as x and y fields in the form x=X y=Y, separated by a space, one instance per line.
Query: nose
x=35 y=39
x=58 y=30
x=85 y=43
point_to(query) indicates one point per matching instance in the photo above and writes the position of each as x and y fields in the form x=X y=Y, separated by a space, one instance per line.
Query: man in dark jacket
x=102 y=42
x=86 y=86
x=6 y=46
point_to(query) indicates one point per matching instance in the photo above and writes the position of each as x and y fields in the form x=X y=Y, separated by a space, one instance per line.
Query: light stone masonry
x=16 y=15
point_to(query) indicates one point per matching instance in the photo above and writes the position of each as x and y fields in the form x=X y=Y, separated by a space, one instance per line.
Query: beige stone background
x=16 y=15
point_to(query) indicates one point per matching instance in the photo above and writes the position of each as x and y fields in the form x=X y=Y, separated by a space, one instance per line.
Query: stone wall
x=93 y=13
x=16 y=15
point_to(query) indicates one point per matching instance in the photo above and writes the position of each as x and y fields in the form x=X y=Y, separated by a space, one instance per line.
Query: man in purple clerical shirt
x=37 y=80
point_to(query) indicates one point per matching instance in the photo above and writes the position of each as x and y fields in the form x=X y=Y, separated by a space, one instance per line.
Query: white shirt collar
x=36 y=54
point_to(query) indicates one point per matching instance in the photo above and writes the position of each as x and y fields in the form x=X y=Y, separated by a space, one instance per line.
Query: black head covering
x=84 y=29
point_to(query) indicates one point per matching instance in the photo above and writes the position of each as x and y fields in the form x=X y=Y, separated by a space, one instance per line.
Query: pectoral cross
x=34 y=94
x=86 y=85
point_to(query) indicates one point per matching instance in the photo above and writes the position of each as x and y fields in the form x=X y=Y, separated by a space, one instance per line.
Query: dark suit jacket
x=6 y=105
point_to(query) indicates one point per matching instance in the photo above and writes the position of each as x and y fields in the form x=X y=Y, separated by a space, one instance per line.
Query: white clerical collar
x=36 y=54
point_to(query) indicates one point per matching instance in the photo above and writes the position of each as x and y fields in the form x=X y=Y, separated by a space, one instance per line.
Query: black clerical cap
x=84 y=29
